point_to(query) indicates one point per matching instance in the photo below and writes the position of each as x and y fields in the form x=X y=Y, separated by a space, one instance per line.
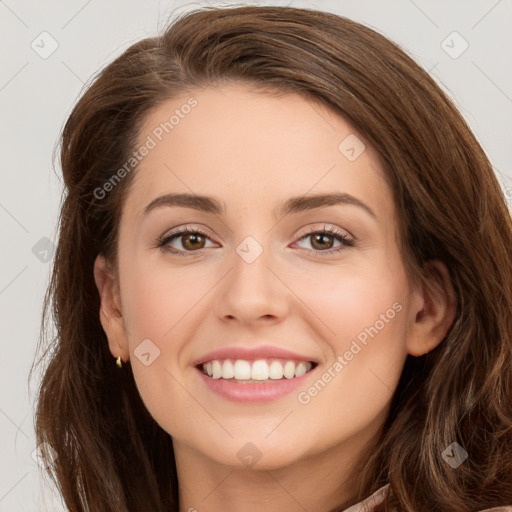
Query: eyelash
x=344 y=239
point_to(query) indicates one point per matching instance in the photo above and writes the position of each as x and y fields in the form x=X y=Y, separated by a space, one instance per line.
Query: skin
x=253 y=151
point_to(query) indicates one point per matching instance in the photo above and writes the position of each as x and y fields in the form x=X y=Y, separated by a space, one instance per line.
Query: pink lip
x=249 y=354
x=264 y=391
x=259 y=392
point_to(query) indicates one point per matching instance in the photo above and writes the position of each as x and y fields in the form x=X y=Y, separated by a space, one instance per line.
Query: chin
x=257 y=454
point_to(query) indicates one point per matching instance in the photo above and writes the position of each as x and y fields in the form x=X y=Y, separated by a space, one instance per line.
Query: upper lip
x=261 y=352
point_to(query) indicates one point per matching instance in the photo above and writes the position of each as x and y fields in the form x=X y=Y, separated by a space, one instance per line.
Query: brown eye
x=193 y=241
x=322 y=241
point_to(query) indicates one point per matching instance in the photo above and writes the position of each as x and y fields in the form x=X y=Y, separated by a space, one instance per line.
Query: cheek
x=161 y=307
x=365 y=312
x=155 y=299
x=352 y=394
x=350 y=298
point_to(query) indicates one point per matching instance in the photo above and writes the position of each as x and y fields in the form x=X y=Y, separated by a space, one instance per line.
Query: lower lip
x=266 y=391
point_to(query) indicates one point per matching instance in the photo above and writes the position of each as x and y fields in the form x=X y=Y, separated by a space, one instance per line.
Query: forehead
x=244 y=144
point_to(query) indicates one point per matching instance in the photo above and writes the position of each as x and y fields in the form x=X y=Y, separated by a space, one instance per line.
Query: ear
x=435 y=309
x=110 y=310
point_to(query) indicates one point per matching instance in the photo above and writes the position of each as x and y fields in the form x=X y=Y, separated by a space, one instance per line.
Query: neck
x=316 y=482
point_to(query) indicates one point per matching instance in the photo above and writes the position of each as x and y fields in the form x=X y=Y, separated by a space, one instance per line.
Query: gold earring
x=118 y=362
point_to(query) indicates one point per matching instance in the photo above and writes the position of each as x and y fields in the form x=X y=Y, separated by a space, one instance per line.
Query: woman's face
x=259 y=282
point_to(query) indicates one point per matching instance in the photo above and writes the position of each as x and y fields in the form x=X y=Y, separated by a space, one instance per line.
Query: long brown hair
x=110 y=454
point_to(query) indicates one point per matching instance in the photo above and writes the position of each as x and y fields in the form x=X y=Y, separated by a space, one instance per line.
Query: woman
x=298 y=255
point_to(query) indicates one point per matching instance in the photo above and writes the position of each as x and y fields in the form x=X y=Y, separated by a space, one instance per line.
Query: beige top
x=378 y=496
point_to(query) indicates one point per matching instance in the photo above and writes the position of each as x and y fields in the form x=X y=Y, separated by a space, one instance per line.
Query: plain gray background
x=38 y=91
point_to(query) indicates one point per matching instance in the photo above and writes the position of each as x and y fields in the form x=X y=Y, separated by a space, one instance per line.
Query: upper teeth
x=260 y=369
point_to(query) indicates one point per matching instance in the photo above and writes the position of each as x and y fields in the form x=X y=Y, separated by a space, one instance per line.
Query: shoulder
x=369 y=503
x=378 y=496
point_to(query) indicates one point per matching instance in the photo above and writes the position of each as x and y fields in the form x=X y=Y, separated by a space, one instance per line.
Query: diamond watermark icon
x=351 y=147
x=44 y=45
x=454 y=45
x=249 y=249
x=454 y=455
x=147 y=352
x=43 y=249
x=37 y=457
x=249 y=454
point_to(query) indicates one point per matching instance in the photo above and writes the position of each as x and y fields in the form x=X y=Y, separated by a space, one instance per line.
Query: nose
x=252 y=291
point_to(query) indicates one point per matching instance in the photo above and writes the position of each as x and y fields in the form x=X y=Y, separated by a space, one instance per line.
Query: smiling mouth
x=255 y=371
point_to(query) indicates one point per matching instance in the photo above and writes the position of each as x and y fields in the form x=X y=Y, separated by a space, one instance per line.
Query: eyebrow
x=297 y=204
